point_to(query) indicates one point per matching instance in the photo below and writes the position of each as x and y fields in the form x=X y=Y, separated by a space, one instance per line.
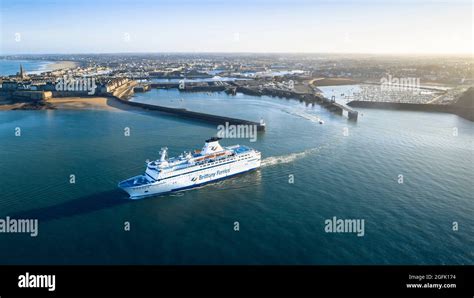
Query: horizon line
x=248 y=52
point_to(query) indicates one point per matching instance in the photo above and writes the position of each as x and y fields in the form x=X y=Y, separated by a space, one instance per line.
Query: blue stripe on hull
x=215 y=180
x=191 y=186
x=198 y=170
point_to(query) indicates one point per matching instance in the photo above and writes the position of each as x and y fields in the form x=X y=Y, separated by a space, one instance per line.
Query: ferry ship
x=191 y=169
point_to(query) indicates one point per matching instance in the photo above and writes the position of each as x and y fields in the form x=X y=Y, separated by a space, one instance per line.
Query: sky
x=262 y=26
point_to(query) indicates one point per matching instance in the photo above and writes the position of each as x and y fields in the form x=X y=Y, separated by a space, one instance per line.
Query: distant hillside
x=466 y=100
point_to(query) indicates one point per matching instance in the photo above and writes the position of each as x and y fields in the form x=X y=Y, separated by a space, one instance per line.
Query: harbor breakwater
x=209 y=118
x=467 y=113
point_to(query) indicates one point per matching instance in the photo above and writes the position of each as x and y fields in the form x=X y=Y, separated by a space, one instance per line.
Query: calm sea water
x=350 y=177
x=11 y=67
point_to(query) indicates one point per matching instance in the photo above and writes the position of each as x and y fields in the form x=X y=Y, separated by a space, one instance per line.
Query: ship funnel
x=212 y=146
x=164 y=154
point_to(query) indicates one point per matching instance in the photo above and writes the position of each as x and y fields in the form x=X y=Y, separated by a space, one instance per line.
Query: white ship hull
x=194 y=178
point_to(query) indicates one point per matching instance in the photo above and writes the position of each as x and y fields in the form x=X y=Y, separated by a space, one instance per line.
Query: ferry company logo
x=399 y=84
x=336 y=225
x=68 y=83
x=241 y=131
x=213 y=175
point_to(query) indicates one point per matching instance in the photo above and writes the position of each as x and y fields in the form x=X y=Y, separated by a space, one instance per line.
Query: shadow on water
x=82 y=205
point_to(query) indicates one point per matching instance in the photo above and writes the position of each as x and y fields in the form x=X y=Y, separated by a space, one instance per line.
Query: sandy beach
x=54 y=65
x=7 y=105
x=83 y=103
x=70 y=103
x=62 y=65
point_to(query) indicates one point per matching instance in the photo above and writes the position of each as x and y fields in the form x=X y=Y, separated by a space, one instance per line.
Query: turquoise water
x=353 y=177
x=12 y=67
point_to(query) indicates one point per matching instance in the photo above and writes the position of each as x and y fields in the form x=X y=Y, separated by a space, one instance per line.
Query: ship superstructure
x=192 y=169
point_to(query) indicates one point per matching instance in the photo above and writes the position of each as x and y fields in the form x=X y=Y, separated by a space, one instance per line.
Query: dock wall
x=209 y=118
x=467 y=113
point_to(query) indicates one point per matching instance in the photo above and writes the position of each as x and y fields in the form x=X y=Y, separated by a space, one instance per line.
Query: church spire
x=22 y=74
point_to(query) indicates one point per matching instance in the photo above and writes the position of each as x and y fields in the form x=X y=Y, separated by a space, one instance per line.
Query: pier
x=339 y=109
x=465 y=111
x=209 y=118
x=123 y=93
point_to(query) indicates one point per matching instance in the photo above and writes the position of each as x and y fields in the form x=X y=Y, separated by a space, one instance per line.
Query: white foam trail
x=274 y=160
x=303 y=115
x=244 y=181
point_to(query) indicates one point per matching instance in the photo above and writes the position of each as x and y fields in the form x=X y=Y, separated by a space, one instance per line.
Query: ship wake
x=304 y=115
x=243 y=181
x=283 y=159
